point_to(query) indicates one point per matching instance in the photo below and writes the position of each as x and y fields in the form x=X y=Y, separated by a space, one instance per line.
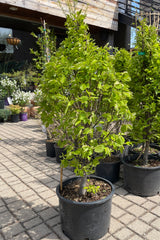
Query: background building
x=108 y=20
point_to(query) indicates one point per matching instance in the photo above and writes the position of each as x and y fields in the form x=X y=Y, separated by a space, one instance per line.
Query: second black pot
x=109 y=171
x=142 y=181
x=50 y=150
x=15 y=118
x=59 y=153
x=82 y=220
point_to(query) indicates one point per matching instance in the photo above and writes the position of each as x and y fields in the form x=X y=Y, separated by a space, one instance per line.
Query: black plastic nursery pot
x=1 y=119
x=142 y=181
x=59 y=153
x=82 y=220
x=15 y=118
x=109 y=171
x=50 y=150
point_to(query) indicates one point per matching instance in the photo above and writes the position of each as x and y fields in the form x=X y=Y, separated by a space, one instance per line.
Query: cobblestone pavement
x=28 y=201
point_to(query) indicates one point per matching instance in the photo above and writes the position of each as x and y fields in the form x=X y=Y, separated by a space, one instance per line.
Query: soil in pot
x=50 y=149
x=136 y=156
x=109 y=168
x=71 y=191
x=138 y=149
x=87 y=218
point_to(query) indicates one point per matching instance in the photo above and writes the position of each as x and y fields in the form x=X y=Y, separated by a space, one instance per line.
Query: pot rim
x=101 y=201
x=140 y=167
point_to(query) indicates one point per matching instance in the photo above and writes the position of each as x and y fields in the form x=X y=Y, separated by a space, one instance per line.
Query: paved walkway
x=28 y=202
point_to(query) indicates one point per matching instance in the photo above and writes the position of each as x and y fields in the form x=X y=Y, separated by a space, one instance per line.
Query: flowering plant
x=21 y=98
x=37 y=96
x=7 y=87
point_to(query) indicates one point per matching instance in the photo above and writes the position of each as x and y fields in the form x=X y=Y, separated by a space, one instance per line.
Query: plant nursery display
x=22 y=98
x=142 y=171
x=83 y=92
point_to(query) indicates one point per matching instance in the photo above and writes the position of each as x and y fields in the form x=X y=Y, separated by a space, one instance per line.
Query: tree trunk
x=146 y=151
x=82 y=191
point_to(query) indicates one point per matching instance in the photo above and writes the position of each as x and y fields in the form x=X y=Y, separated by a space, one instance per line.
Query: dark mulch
x=110 y=159
x=154 y=157
x=151 y=163
x=71 y=191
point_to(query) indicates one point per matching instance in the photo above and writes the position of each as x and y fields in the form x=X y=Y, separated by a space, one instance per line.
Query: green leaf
x=68 y=105
x=99 y=148
x=83 y=87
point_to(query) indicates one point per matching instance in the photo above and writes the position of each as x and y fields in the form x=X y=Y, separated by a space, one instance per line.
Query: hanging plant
x=13 y=41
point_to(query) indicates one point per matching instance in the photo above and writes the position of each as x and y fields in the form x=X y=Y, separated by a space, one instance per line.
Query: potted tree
x=109 y=167
x=142 y=172
x=89 y=99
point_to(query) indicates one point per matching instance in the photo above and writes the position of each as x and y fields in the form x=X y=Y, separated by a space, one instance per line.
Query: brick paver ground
x=28 y=201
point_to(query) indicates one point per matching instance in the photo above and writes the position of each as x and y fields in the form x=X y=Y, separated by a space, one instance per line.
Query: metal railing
x=133 y=7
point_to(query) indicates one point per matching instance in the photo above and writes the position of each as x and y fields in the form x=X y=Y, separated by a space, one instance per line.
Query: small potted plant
x=15 y=110
x=50 y=141
x=22 y=98
x=54 y=136
x=142 y=170
x=109 y=166
x=52 y=147
x=7 y=87
x=82 y=90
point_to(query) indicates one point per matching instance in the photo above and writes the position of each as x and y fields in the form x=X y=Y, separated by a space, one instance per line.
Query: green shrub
x=4 y=114
x=87 y=97
x=145 y=79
